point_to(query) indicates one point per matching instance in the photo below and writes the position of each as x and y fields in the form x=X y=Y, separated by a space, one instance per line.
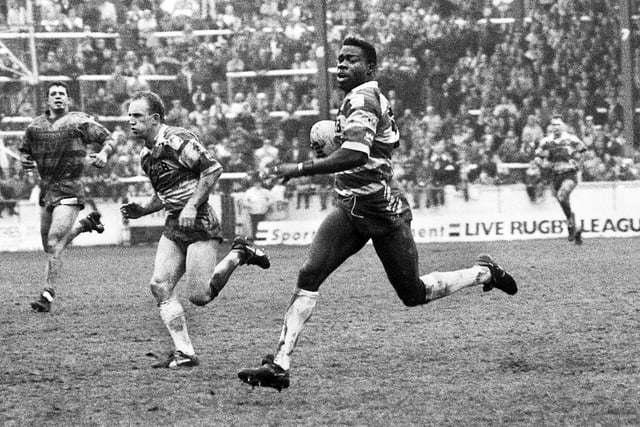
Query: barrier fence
x=604 y=209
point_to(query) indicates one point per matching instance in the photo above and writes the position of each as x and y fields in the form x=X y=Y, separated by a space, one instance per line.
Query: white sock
x=441 y=284
x=172 y=314
x=299 y=311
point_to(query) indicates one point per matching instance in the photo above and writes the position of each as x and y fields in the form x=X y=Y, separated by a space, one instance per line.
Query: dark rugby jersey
x=365 y=123
x=174 y=165
x=59 y=147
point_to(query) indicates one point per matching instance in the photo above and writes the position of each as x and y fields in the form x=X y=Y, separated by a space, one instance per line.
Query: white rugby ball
x=323 y=138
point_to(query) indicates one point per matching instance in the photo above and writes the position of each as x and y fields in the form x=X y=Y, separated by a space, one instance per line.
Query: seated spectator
x=200 y=97
x=136 y=83
x=235 y=63
x=51 y=15
x=72 y=22
x=51 y=66
x=108 y=16
x=146 y=67
x=238 y=106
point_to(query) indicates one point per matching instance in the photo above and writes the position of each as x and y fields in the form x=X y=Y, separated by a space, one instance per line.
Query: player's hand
x=187 y=218
x=283 y=170
x=28 y=164
x=131 y=210
x=98 y=160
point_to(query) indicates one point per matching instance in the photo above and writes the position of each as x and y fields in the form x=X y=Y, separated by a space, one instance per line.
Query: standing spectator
x=266 y=155
x=185 y=83
x=16 y=14
x=117 y=84
x=177 y=114
x=531 y=134
x=147 y=24
x=257 y=201
x=60 y=163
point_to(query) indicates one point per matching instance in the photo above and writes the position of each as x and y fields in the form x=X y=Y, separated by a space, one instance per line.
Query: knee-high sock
x=441 y=284
x=54 y=263
x=172 y=315
x=52 y=271
x=566 y=209
x=299 y=311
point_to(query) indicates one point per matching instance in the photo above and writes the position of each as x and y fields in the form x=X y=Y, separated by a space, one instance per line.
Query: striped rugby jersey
x=59 y=147
x=174 y=165
x=560 y=151
x=365 y=123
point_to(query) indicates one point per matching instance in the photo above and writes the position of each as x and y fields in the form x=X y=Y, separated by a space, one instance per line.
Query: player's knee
x=413 y=297
x=200 y=294
x=412 y=300
x=53 y=243
x=199 y=299
x=160 y=290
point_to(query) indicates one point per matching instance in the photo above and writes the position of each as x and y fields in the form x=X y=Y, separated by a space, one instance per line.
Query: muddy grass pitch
x=563 y=351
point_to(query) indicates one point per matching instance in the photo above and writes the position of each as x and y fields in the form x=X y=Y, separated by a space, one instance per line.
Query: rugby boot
x=92 y=222
x=252 y=254
x=499 y=277
x=267 y=375
x=43 y=303
x=177 y=359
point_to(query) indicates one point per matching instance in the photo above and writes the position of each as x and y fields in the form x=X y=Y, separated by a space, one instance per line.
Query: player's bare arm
x=99 y=159
x=200 y=195
x=135 y=210
x=338 y=161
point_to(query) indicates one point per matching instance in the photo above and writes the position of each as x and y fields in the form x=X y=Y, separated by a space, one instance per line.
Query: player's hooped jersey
x=174 y=165
x=365 y=123
x=560 y=151
x=59 y=147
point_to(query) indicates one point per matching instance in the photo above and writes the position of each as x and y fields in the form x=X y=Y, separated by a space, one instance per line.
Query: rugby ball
x=323 y=138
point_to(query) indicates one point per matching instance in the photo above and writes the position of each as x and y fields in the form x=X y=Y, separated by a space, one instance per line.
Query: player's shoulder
x=77 y=118
x=176 y=137
x=38 y=121
x=570 y=137
x=366 y=96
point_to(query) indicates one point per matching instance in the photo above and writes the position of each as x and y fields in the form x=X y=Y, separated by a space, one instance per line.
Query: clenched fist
x=132 y=210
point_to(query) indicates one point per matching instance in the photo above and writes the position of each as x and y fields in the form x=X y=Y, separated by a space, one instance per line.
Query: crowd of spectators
x=470 y=96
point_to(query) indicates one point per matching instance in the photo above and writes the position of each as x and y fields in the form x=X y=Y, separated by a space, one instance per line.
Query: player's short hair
x=368 y=49
x=154 y=102
x=557 y=116
x=58 y=83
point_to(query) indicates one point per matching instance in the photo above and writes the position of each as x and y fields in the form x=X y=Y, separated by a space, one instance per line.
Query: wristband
x=304 y=168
